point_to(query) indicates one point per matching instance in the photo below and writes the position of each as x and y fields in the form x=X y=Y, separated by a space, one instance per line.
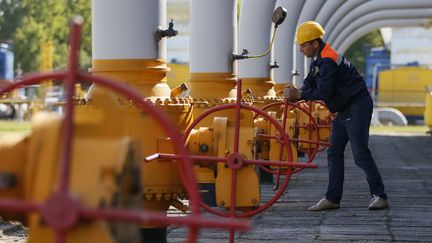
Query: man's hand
x=291 y=93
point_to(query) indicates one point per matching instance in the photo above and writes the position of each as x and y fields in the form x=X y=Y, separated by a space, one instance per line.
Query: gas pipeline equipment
x=43 y=174
x=230 y=139
x=224 y=142
x=235 y=166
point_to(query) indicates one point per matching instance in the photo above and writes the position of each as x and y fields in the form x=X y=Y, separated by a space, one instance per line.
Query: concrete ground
x=405 y=163
x=12 y=232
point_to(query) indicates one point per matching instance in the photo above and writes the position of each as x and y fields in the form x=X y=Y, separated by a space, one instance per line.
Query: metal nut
x=7 y=180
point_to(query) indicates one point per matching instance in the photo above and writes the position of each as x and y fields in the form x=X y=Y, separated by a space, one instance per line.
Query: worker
x=333 y=79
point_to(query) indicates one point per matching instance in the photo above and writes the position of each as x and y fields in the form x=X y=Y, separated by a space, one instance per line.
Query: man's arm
x=326 y=82
x=308 y=83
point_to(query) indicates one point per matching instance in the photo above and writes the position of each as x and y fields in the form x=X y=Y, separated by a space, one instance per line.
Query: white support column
x=284 y=43
x=125 y=29
x=125 y=46
x=255 y=28
x=213 y=39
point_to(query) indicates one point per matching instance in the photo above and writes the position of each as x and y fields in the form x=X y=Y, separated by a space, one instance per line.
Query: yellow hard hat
x=307 y=31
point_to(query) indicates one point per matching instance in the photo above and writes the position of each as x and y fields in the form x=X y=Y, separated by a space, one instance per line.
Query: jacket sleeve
x=308 y=83
x=326 y=82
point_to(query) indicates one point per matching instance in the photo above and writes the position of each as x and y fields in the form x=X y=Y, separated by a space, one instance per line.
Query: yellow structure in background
x=46 y=64
x=46 y=56
x=179 y=74
x=404 y=89
x=428 y=110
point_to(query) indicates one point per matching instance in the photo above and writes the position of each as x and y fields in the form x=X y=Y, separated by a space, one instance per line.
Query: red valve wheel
x=312 y=126
x=61 y=211
x=326 y=124
x=236 y=160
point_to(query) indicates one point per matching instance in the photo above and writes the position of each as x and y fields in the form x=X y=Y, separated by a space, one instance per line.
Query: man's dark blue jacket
x=333 y=79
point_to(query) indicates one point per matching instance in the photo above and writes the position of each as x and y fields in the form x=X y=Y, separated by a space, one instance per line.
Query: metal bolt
x=7 y=180
x=203 y=147
x=148 y=197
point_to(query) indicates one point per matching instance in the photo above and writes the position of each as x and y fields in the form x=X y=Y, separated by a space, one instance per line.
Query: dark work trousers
x=352 y=125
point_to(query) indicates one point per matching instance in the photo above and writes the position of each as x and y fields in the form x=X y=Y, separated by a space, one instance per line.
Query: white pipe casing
x=327 y=10
x=212 y=36
x=123 y=30
x=381 y=15
x=373 y=6
x=324 y=14
x=255 y=27
x=351 y=10
x=309 y=12
x=343 y=10
x=283 y=47
x=355 y=35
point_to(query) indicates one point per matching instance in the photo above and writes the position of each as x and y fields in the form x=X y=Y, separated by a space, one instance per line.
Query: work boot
x=324 y=204
x=378 y=203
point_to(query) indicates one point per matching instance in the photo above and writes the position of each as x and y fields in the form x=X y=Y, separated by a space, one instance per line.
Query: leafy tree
x=11 y=12
x=42 y=21
x=357 y=52
x=83 y=8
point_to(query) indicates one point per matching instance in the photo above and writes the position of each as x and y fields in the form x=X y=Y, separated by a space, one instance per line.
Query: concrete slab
x=405 y=163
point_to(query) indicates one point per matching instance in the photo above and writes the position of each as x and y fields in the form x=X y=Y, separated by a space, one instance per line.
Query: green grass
x=402 y=130
x=14 y=127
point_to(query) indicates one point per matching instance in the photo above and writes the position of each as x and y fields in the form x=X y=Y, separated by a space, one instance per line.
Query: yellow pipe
x=149 y=76
x=261 y=87
x=212 y=85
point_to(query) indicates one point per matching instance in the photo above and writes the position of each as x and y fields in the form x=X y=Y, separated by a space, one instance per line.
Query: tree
x=83 y=8
x=11 y=12
x=45 y=21
x=357 y=51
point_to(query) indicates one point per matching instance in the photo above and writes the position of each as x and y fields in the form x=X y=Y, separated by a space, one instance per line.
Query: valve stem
x=179 y=205
x=246 y=93
x=170 y=32
x=179 y=89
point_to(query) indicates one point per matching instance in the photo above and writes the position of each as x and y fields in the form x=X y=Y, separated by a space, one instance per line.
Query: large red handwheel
x=322 y=124
x=312 y=127
x=235 y=160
